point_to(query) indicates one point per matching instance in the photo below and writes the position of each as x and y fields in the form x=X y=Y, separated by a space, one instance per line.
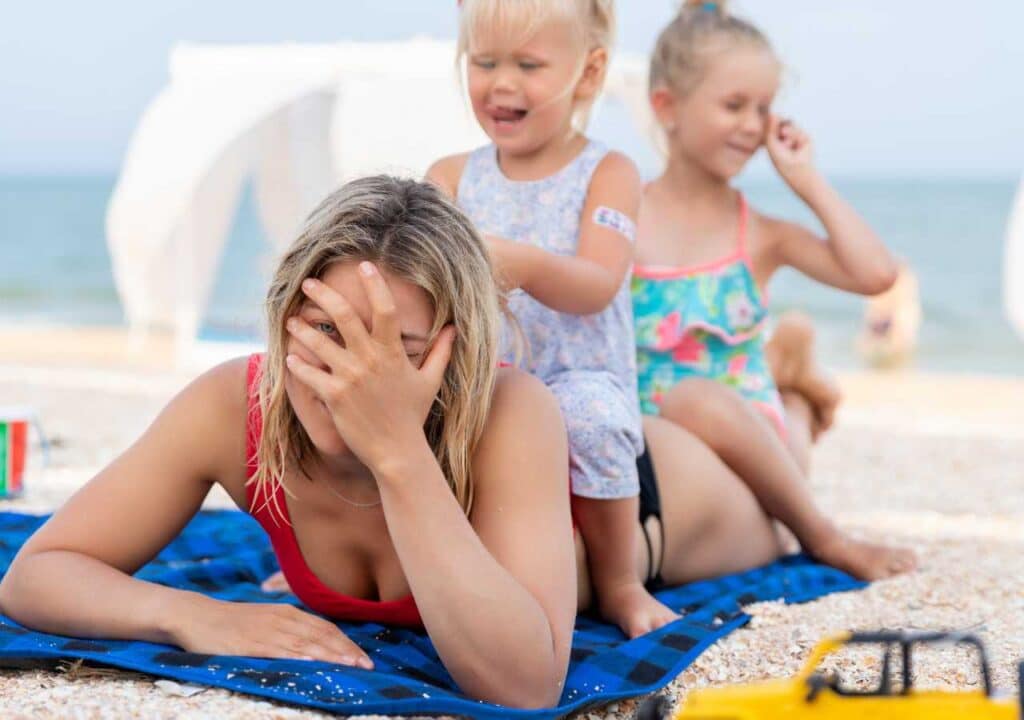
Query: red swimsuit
x=307 y=586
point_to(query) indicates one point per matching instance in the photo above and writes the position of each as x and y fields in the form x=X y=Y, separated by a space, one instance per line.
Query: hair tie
x=706 y=7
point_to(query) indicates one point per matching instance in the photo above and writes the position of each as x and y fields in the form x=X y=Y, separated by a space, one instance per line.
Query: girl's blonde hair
x=592 y=23
x=411 y=230
x=700 y=31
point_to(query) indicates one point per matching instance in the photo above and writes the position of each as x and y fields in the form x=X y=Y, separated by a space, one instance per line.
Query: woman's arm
x=587 y=282
x=852 y=257
x=74 y=575
x=498 y=597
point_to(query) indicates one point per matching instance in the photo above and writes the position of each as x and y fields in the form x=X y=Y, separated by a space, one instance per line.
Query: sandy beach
x=930 y=461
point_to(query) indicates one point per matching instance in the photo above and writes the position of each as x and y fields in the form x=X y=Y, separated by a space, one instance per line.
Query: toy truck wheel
x=653 y=708
x=1020 y=688
x=818 y=682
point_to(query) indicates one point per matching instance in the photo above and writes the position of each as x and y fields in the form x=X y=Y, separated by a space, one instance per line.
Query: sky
x=886 y=87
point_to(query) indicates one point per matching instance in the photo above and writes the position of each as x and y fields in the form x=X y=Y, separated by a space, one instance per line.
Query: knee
x=797 y=324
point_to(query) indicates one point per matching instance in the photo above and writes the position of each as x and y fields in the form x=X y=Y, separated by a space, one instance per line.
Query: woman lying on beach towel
x=401 y=476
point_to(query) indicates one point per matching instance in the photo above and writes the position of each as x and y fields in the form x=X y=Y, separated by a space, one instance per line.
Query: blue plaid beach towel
x=227 y=555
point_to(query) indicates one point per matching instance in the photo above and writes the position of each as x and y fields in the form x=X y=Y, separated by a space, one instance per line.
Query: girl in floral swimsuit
x=704 y=259
x=704 y=321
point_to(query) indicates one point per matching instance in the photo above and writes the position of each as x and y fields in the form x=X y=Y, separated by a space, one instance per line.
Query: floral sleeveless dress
x=588 y=361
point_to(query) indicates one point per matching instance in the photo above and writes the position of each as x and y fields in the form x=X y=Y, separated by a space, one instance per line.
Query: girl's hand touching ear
x=791 y=151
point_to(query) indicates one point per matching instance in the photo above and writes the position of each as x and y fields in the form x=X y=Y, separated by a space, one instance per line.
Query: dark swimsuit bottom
x=650 y=505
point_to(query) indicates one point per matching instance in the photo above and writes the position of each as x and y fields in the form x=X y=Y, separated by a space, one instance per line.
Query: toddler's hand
x=791 y=151
x=510 y=269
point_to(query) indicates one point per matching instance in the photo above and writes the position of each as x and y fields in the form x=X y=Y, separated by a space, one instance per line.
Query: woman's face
x=415 y=312
x=723 y=121
x=523 y=94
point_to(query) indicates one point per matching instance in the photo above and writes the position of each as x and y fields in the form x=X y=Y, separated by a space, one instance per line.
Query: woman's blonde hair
x=412 y=231
x=700 y=31
x=592 y=23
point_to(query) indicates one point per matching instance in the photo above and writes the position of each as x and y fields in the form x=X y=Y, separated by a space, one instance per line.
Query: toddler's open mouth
x=506 y=116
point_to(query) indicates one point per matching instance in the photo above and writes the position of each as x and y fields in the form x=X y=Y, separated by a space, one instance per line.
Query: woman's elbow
x=533 y=694
x=535 y=701
x=532 y=678
x=12 y=590
x=5 y=584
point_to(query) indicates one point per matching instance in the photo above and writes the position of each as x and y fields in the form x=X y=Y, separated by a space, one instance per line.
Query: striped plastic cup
x=14 y=444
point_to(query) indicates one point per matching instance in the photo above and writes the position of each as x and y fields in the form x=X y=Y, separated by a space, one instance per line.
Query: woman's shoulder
x=517 y=391
x=225 y=387
x=210 y=415
x=523 y=412
x=523 y=452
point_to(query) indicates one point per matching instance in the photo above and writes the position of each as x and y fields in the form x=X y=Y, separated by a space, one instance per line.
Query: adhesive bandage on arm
x=615 y=220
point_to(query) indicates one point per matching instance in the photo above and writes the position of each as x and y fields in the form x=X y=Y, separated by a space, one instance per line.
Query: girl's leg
x=610 y=530
x=749 y=446
x=604 y=436
x=790 y=356
x=799 y=429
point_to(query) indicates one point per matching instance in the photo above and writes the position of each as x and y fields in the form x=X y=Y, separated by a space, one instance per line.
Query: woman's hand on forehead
x=370 y=307
x=373 y=391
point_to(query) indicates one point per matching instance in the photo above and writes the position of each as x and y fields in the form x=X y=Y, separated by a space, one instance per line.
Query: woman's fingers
x=293 y=648
x=312 y=377
x=330 y=637
x=318 y=638
x=386 y=327
x=316 y=342
x=440 y=354
x=295 y=634
x=340 y=310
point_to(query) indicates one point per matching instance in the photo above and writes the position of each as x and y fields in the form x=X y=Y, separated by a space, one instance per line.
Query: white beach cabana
x=294 y=120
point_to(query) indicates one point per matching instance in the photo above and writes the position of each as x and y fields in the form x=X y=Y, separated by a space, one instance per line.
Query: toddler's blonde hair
x=592 y=23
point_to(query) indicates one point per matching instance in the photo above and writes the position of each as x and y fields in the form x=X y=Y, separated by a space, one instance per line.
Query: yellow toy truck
x=815 y=695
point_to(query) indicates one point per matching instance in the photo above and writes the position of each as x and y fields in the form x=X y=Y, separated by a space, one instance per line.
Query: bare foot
x=823 y=394
x=864 y=560
x=275 y=584
x=635 y=610
x=790 y=354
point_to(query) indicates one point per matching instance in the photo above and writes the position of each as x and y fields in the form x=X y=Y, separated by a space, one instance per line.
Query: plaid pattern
x=227 y=555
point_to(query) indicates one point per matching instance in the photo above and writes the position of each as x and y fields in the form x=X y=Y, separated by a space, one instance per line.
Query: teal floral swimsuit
x=708 y=322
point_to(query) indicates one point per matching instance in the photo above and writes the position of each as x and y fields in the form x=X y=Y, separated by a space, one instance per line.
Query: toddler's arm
x=446 y=173
x=587 y=282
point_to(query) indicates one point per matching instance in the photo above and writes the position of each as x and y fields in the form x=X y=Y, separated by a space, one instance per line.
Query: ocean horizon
x=55 y=266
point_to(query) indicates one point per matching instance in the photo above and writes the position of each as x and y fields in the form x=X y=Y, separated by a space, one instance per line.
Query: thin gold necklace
x=353 y=503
